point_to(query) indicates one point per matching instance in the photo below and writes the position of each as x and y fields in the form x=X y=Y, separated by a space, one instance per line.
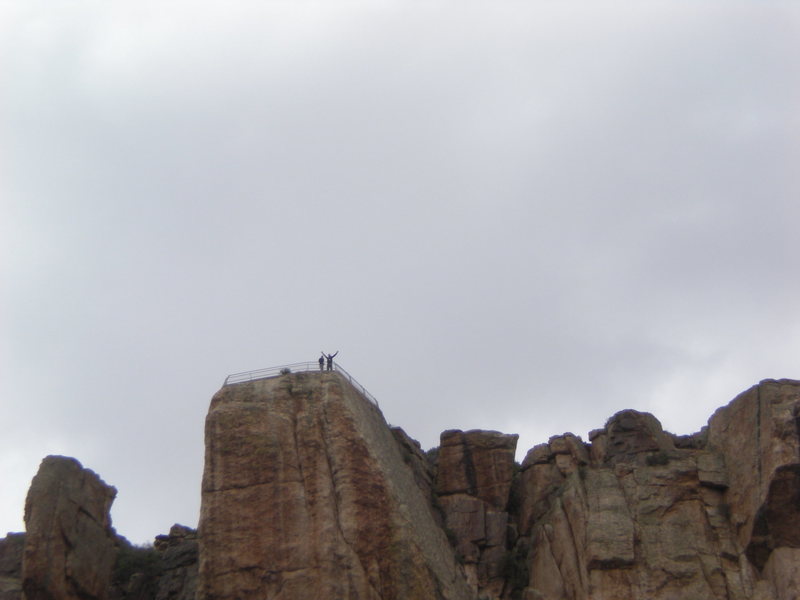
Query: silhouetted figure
x=322 y=361
x=330 y=359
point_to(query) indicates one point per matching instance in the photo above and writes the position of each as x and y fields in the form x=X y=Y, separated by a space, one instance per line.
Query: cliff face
x=473 y=482
x=643 y=514
x=307 y=493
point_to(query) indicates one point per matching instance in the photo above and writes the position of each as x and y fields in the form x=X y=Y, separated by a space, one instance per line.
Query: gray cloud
x=520 y=217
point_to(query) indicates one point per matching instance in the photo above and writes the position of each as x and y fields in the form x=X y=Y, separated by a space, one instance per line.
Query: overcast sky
x=522 y=216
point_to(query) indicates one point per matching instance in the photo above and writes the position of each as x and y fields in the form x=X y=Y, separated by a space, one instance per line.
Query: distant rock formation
x=307 y=493
x=69 y=544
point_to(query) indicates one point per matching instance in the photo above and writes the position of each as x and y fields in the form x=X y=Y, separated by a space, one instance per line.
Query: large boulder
x=70 y=546
x=306 y=494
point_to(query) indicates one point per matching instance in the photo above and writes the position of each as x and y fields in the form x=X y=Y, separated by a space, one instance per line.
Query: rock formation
x=165 y=571
x=11 y=548
x=180 y=550
x=473 y=482
x=69 y=544
x=306 y=494
x=643 y=514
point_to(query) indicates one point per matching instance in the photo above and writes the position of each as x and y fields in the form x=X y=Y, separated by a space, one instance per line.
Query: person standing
x=321 y=362
x=330 y=359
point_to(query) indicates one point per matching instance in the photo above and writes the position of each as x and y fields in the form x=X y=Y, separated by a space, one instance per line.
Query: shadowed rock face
x=474 y=474
x=758 y=435
x=179 y=549
x=69 y=545
x=11 y=548
x=306 y=495
x=165 y=571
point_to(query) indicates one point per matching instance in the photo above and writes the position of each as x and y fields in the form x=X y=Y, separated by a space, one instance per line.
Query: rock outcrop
x=306 y=494
x=70 y=546
x=180 y=549
x=165 y=571
x=11 y=548
x=473 y=482
x=643 y=514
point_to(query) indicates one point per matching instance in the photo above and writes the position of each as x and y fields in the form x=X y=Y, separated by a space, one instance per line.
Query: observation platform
x=301 y=367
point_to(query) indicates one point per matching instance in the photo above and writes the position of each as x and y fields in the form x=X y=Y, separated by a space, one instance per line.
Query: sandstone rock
x=757 y=433
x=475 y=472
x=69 y=545
x=466 y=516
x=630 y=433
x=414 y=457
x=711 y=470
x=11 y=548
x=537 y=455
x=479 y=463
x=609 y=525
x=165 y=571
x=634 y=529
x=570 y=444
x=538 y=486
x=178 y=580
x=306 y=495
x=782 y=572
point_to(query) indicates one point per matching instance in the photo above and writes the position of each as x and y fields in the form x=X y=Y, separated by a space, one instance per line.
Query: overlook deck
x=300 y=367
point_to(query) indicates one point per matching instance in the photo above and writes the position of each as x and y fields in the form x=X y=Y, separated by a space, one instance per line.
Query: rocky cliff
x=307 y=493
x=639 y=513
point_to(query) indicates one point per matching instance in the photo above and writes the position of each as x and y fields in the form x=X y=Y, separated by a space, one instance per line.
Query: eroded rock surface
x=758 y=435
x=180 y=554
x=69 y=545
x=641 y=513
x=473 y=482
x=167 y=570
x=306 y=494
x=11 y=548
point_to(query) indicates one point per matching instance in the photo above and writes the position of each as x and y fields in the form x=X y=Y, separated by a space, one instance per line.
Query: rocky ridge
x=308 y=493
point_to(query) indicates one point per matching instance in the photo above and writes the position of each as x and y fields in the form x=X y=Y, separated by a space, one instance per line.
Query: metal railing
x=296 y=368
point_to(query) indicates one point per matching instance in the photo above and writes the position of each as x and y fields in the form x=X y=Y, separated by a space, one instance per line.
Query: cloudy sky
x=522 y=216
